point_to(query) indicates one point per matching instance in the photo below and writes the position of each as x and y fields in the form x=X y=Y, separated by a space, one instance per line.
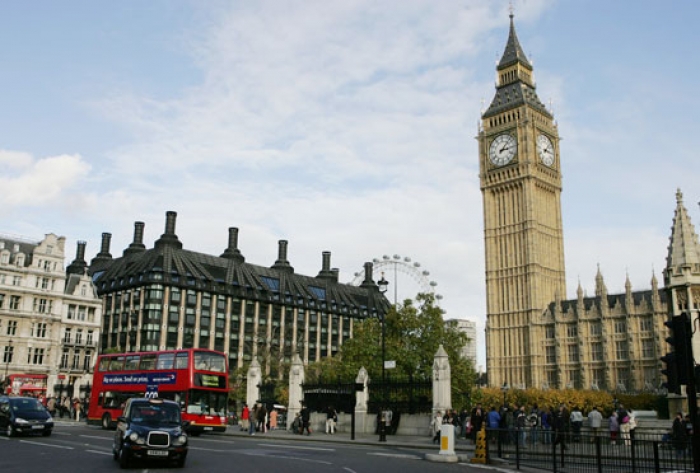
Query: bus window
x=132 y=362
x=117 y=363
x=209 y=361
x=104 y=363
x=165 y=361
x=182 y=360
x=148 y=362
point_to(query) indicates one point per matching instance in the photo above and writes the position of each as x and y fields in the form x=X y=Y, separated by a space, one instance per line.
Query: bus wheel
x=106 y=421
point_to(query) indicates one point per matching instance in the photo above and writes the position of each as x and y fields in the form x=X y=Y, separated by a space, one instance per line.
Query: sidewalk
x=423 y=442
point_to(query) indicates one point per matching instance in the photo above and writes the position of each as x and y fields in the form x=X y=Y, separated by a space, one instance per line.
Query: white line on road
x=46 y=444
x=297 y=448
x=96 y=437
x=62 y=433
x=349 y=469
x=228 y=442
x=284 y=457
x=397 y=455
x=97 y=451
x=208 y=449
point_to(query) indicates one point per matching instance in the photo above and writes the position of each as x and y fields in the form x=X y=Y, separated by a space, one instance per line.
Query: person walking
x=546 y=421
x=493 y=423
x=305 y=419
x=520 y=425
x=561 y=426
x=477 y=421
x=679 y=435
x=330 y=420
x=614 y=426
x=262 y=418
x=623 y=418
x=576 y=423
x=273 y=419
x=245 y=417
x=253 y=417
x=435 y=424
x=595 y=420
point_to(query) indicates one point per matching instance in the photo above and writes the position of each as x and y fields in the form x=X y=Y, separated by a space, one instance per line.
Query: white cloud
x=27 y=181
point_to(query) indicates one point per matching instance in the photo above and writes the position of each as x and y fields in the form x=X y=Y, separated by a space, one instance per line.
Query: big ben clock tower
x=520 y=175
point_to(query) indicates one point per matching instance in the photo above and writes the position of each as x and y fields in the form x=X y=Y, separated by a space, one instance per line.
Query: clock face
x=503 y=149
x=545 y=149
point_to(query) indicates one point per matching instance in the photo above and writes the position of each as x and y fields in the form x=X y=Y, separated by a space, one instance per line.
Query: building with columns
x=534 y=337
x=168 y=297
x=50 y=318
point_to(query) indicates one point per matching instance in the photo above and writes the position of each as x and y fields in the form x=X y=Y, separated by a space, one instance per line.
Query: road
x=84 y=448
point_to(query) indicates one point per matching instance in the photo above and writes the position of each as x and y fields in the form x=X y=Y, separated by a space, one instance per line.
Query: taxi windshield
x=158 y=414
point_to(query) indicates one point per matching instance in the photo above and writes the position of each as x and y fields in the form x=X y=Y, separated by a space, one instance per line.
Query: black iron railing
x=558 y=451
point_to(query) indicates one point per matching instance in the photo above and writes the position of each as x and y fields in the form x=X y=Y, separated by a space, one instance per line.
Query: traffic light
x=680 y=360
x=671 y=373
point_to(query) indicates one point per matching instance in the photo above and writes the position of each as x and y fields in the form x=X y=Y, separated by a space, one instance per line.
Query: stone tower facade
x=521 y=184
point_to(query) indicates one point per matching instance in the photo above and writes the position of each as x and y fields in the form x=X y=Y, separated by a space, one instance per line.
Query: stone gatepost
x=254 y=378
x=361 y=400
x=296 y=394
x=442 y=389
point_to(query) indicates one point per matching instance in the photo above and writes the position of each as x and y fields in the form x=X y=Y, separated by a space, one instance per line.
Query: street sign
x=389 y=364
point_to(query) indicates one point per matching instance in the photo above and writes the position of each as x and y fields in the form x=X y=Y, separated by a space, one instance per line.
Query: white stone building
x=468 y=327
x=50 y=318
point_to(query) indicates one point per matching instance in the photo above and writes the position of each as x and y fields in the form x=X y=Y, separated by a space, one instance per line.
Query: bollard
x=480 y=448
x=447 y=439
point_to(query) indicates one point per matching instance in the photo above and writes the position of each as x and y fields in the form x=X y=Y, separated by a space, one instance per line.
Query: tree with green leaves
x=414 y=331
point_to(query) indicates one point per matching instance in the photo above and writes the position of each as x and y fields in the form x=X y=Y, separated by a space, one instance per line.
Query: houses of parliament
x=534 y=336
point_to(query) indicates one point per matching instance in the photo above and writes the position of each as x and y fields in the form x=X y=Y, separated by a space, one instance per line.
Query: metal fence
x=340 y=395
x=410 y=395
x=551 y=451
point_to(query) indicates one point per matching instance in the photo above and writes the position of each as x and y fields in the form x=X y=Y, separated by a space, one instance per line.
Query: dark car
x=24 y=415
x=150 y=429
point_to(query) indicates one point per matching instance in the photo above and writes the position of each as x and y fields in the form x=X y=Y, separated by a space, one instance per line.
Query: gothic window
x=621 y=350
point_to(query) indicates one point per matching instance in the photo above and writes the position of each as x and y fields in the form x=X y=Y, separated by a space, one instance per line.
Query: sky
x=344 y=126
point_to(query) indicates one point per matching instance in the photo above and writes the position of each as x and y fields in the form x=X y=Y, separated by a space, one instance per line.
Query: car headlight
x=134 y=437
x=180 y=440
x=19 y=420
x=49 y=419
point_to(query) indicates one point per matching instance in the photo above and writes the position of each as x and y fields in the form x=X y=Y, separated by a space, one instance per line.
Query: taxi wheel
x=106 y=422
x=46 y=433
x=181 y=462
x=124 y=459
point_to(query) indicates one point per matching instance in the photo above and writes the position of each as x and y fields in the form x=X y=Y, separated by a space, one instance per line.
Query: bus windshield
x=208 y=361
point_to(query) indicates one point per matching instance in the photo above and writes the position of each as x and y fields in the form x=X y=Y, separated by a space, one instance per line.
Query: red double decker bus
x=195 y=378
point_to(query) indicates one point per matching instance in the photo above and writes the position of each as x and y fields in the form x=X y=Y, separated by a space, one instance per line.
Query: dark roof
x=612 y=300
x=514 y=95
x=513 y=52
x=25 y=246
x=517 y=93
x=172 y=266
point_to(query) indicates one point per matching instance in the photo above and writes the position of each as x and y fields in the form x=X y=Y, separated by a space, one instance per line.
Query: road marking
x=284 y=457
x=99 y=452
x=228 y=442
x=296 y=448
x=397 y=455
x=46 y=444
x=96 y=437
x=62 y=433
x=349 y=469
x=208 y=449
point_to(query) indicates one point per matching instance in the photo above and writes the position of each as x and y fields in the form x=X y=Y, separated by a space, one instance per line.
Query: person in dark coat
x=477 y=421
x=560 y=426
x=679 y=435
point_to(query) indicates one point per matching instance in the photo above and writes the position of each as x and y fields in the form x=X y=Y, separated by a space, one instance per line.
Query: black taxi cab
x=150 y=429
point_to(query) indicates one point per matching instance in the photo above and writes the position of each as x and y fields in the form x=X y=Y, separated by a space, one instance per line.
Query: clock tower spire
x=520 y=176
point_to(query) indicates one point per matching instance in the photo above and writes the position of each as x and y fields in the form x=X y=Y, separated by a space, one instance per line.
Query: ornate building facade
x=534 y=338
x=167 y=297
x=50 y=318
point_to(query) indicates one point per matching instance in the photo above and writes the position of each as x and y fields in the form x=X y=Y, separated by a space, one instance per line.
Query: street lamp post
x=8 y=358
x=505 y=388
x=383 y=285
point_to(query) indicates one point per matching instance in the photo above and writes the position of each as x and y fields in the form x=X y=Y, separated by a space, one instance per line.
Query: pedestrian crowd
x=529 y=426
